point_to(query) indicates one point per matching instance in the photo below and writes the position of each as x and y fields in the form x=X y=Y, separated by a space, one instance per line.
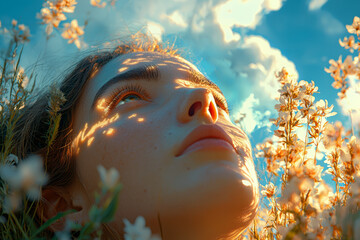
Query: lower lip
x=209 y=144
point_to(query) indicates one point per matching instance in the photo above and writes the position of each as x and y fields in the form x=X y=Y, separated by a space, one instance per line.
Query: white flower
x=355 y=27
x=65 y=234
x=11 y=159
x=97 y=3
x=27 y=176
x=72 y=31
x=108 y=177
x=12 y=202
x=138 y=231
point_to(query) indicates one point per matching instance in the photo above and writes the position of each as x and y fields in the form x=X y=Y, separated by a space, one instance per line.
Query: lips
x=205 y=133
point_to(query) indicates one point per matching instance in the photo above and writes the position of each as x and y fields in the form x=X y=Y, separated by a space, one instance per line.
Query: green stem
x=14 y=218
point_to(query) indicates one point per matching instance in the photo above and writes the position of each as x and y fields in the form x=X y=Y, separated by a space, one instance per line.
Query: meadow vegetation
x=305 y=149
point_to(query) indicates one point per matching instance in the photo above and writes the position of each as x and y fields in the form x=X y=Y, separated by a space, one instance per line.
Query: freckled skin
x=199 y=195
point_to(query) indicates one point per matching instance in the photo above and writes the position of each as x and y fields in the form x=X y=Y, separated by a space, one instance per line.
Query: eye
x=124 y=95
x=221 y=103
x=128 y=98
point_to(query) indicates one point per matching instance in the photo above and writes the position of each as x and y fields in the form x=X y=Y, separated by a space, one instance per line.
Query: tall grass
x=297 y=203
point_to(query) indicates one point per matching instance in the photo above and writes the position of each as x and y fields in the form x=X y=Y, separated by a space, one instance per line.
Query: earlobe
x=56 y=200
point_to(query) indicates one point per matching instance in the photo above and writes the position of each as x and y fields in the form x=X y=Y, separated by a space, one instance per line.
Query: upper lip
x=204 y=132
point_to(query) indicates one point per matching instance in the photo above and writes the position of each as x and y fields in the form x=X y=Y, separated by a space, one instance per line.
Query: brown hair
x=30 y=135
x=30 y=132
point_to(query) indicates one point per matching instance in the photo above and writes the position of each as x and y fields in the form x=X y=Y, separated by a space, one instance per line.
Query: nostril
x=212 y=110
x=196 y=106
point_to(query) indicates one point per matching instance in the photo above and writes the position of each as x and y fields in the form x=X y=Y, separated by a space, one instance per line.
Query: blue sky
x=239 y=44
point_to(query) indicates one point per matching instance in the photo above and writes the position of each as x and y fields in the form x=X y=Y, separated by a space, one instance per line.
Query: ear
x=59 y=199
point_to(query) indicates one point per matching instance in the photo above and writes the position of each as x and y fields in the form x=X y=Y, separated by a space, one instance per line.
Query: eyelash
x=221 y=102
x=119 y=93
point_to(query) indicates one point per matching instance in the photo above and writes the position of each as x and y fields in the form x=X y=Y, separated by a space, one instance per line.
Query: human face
x=165 y=128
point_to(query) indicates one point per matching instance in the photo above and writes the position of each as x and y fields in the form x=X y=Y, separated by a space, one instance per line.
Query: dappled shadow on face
x=86 y=136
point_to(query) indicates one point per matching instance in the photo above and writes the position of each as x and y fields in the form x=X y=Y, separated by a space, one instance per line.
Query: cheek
x=132 y=147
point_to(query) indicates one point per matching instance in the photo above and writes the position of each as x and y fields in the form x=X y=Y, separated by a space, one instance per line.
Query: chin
x=220 y=206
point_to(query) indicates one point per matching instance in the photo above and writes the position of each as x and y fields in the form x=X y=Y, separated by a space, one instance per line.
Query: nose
x=199 y=104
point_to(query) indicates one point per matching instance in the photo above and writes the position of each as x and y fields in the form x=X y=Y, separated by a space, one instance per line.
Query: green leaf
x=108 y=213
x=54 y=129
x=51 y=221
x=86 y=230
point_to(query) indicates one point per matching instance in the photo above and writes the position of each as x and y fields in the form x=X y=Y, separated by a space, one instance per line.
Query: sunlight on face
x=166 y=129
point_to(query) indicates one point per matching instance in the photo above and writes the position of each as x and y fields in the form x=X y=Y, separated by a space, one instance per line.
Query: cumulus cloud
x=251 y=118
x=351 y=103
x=273 y=5
x=240 y=64
x=329 y=23
x=257 y=60
x=316 y=4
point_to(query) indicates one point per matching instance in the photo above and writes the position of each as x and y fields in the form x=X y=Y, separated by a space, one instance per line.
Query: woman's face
x=165 y=128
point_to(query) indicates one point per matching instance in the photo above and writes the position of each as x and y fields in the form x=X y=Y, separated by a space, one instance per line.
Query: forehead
x=161 y=60
x=148 y=66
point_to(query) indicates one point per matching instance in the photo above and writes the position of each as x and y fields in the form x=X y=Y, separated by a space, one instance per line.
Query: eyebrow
x=151 y=73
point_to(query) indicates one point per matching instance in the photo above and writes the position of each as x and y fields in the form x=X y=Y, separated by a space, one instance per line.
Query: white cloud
x=273 y=5
x=259 y=62
x=239 y=64
x=352 y=101
x=177 y=19
x=329 y=24
x=252 y=118
x=316 y=4
x=156 y=30
x=235 y=13
x=242 y=13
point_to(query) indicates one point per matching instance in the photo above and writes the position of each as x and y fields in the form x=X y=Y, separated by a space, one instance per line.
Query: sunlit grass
x=297 y=203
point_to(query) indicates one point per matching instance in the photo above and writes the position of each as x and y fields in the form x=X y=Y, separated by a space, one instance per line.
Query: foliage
x=21 y=180
x=297 y=203
x=303 y=205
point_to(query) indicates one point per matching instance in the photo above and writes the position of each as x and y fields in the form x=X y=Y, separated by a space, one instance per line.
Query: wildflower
x=138 y=231
x=57 y=98
x=14 y=23
x=349 y=67
x=292 y=191
x=334 y=70
x=355 y=187
x=349 y=43
x=28 y=176
x=72 y=32
x=323 y=109
x=269 y=190
x=97 y=3
x=11 y=159
x=51 y=18
x=67 y=6
x=283 y=75
x=355 y=27
x=333 y=135
x=272 y=154
x=313 y=171
x=109 y=178
x=354 y=148
x=12 y=202
x=323 y=193
x=65 y=234
x=19 y=33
